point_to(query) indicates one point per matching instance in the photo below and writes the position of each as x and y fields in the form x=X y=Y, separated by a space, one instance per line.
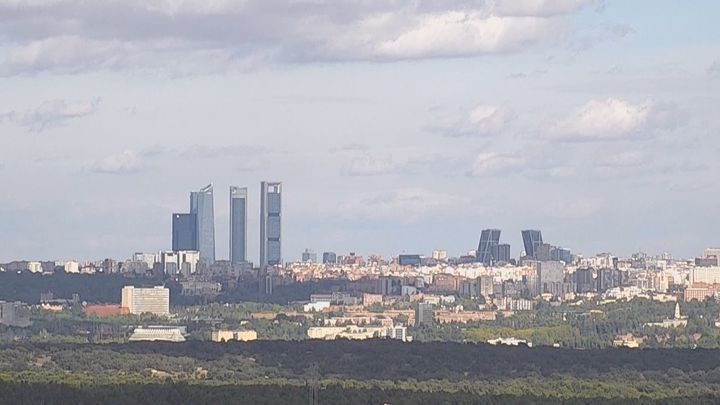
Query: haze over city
x=394 y=126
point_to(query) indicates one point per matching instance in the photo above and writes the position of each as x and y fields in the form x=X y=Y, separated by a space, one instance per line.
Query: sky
x=395 y=126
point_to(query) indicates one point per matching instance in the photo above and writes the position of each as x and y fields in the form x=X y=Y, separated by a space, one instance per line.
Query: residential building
x=707 y=275
x=226 y=335
x=34 y=267
x=154 y=300
x=178 y=262
x=424 y=314
x=238 y=224
x=584 y=282
x=439 y=255
x=202 y=205
x=551 y=276
x=270 y=224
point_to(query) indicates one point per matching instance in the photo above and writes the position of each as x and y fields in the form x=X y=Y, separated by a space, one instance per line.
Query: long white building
x=154 y=300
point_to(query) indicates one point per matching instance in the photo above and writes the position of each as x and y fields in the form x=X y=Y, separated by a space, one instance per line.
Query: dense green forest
x=370 y=372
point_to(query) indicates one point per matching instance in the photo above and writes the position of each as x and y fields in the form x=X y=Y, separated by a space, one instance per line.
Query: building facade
x=201 y=204
x=329 y=258
x=184 y=232
x=532 y=238
x=154 y=300
x=489 y=239
x=238 y=224
x=270 y=224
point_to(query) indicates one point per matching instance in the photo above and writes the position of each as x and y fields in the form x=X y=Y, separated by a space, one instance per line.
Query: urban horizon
x=516 y=249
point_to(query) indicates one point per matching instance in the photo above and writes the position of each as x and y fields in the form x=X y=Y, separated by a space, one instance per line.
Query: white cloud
x=490 y=163
x=127 y=161
x=483 y=120
x=546 y=8
x=404 y=205
x=616 y=119
x=714 y=68
x=51 y=113
x=573 y=208
x=623 y=159
x=462 y=34
x=74 y=35
x=370 y=165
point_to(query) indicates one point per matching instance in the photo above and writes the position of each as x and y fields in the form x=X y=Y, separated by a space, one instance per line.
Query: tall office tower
x=238 y=224
x=270 y=224
x=532 y=238
x=489 y=239
x=184 y=232
x=201 y=204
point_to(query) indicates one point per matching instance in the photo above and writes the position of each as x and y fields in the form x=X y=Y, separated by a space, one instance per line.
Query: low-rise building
x=226 y=335
x=158 y=334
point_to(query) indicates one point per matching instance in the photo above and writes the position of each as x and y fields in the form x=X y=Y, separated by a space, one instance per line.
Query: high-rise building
x=424 y=314
x=584 y=282
x=329 y=258
x=610 y=278
x=489 y=238
x=184 y=232
x=308 y=256
x=238 y=224
x=532 y=238
x=561 y=254
x=501 y=253
x=551 y=277
x=154 y=300
x=270 y=224
x=201 y=204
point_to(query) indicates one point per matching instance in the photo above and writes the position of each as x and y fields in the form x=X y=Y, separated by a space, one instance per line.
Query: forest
x=369 y=372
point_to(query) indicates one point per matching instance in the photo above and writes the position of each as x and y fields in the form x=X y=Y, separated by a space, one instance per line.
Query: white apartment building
x=154 y=300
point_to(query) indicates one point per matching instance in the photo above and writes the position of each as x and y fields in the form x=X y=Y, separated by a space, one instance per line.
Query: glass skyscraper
x=184 y=232
x=201 y=204
x=270 y=224
x=489 y=239
x=238 y=224
x=532 y=238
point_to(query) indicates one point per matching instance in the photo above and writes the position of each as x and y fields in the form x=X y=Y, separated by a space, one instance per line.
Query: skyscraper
x=184 y=232
x=201 y=204
x=532 y=238
x=489 y=239
x=270 y=224
x=238 y=224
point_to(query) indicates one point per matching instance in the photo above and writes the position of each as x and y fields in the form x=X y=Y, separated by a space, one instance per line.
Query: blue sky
x=395 y=126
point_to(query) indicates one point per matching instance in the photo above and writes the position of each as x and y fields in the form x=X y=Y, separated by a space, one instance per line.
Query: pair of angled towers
x=196 y=229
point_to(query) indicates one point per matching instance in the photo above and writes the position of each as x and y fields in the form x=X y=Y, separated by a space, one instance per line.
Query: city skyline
x=588 y=119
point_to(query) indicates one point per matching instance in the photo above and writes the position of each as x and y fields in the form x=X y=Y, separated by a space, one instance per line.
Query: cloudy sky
x=395 y=125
